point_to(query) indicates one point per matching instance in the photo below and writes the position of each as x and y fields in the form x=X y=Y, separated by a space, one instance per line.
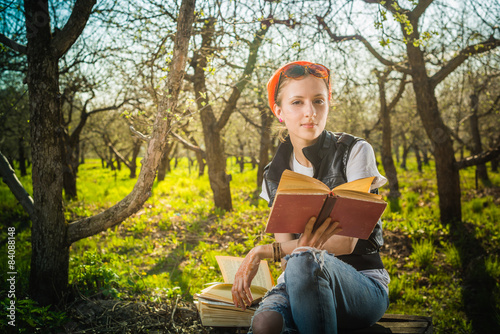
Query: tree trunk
x=404 y=155
x=165 y=161
x=425 y=155
x=265 y=144
x=387 y=161
x=481 y=170
x=70 y=169
x=447 y=173
x=216 y=157
x=22 y=157
x=133 y=163
x=201 y=164
x=82 y=153
x=418 y=157
x=50 y=250
x=494 y=164
x=212 y=127
x=216 y=162
x=69 y=182
x=396 y=151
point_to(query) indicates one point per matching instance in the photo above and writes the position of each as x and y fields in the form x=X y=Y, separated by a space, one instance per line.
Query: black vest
x=329 y=157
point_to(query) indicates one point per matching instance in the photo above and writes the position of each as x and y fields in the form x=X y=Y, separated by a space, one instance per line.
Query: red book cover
x=356 y=210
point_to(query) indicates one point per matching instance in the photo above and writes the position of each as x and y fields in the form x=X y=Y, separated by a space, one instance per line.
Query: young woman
x=330 y=281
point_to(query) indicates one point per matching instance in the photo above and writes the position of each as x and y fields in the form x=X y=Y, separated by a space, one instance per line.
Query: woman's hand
x=242 y=296
x=318 y=238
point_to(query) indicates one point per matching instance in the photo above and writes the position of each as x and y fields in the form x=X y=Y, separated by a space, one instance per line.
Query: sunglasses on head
x=295 y=71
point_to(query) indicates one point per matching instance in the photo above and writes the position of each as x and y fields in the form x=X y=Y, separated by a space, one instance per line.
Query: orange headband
x=273 y=82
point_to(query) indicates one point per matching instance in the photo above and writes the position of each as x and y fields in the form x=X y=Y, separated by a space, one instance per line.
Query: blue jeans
x=322 y=294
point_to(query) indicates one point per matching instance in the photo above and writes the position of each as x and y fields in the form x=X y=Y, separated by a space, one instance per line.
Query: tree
x=413 y=63
x=214 y=114
x=71 y=139
x=212 y=126
x=51 y=234
x=385 y=110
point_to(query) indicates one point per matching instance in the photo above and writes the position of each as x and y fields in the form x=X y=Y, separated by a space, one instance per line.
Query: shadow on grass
x=478 y=285
x=170 y=264
x=394 y=204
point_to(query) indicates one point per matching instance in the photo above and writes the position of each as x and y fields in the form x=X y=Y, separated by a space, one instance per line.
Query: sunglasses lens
x=294 y=71
x=318 y=71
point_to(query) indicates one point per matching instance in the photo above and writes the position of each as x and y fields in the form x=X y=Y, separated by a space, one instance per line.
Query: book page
x=362 y=185
x=222 y=292
x=292 y=182
x=229 y=266
x=359 y=195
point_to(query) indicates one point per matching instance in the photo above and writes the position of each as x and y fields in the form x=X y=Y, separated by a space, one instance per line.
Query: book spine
x=325 y=211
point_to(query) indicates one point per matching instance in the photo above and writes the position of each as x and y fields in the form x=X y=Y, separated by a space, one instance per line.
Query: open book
x=215 y=303
x=299 y=197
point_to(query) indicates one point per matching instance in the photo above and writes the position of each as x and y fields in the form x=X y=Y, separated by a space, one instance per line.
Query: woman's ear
x=277 y=111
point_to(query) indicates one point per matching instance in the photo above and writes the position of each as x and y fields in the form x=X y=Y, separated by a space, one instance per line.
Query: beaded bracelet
x=277 y=251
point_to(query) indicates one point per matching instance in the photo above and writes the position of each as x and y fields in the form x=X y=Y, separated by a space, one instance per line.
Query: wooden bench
x=390 y=323
x=396 y=323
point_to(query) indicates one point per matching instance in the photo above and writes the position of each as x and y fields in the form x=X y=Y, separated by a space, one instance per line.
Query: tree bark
x=418 y=157
x=448 y=179
x=385 y=109
x=164 y=167
x=425 y=155
x=494 y=164
x=22 y=157
x=404 y=154
x=477 y=146
x=265 y=144
x=480 y=158
x=50 y=250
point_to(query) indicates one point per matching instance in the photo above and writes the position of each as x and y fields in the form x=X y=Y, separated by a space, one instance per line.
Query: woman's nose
x=309 y=110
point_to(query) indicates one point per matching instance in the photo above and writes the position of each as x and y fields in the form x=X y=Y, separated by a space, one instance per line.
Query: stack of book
x=215 y=303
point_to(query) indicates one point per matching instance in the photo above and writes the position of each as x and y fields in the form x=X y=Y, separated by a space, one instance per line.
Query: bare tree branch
x=187 y=144
x=142 y=190
x=113 y=107
x=64 y=39
x=245 y=76
x=371 y=49
x=471 y=50
x=251 y=122
x=421 y=8
x=118 y=154
x=139 y=135
x=395 y=100
x=12 y=44
x=15 y=186
x=479 y=159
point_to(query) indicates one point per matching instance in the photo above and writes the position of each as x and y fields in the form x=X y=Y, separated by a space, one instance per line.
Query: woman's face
x=304 y=108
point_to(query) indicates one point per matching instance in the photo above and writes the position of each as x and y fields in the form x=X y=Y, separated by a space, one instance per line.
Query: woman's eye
x=319 y=101
x=296 y=102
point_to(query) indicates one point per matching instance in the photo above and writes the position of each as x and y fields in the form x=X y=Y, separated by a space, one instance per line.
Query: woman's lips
x=308 y=125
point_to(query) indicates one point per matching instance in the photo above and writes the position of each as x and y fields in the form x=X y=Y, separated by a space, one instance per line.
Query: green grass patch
x=168 y=248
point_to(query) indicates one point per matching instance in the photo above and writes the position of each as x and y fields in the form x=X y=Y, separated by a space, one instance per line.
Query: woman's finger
x=330 y=232
x=309 y=226
x=249 y=296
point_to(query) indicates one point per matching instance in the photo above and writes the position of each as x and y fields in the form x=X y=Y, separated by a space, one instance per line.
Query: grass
x=168 y=248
